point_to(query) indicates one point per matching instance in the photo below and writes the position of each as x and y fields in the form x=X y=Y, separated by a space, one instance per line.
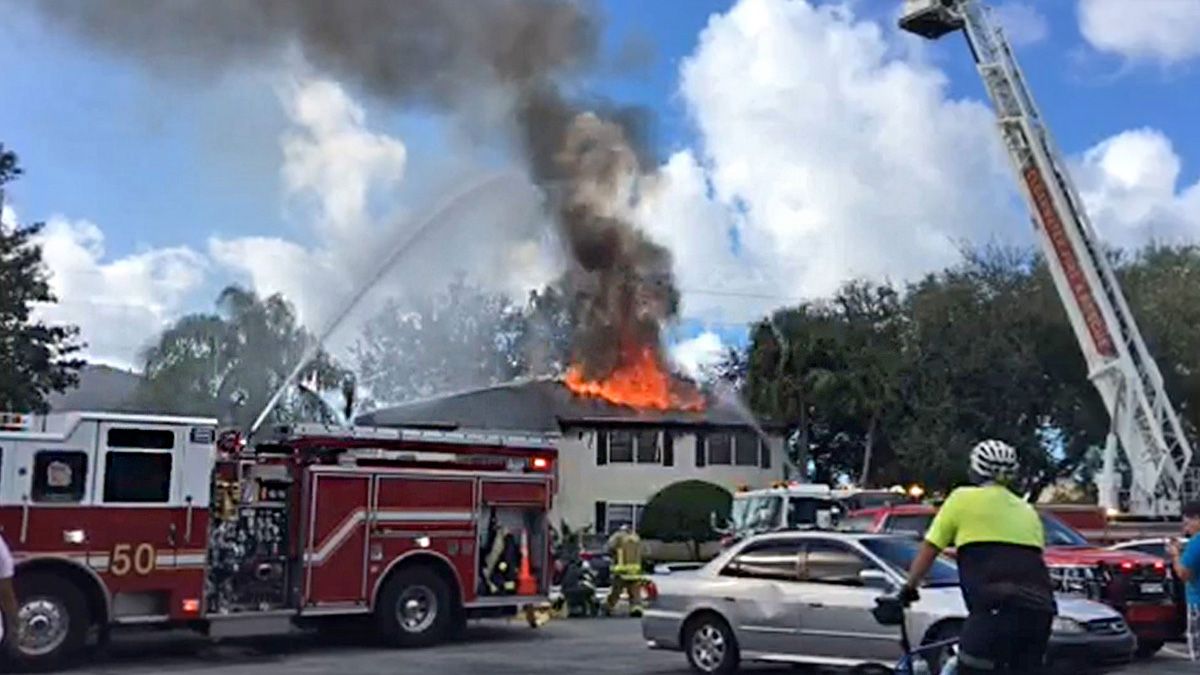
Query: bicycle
x=889 y=611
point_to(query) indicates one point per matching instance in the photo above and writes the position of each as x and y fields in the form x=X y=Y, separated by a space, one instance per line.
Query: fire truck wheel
x=54 y=622
x=414 y=608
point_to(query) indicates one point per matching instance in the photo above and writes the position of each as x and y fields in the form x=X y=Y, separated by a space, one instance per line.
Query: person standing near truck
x=626 y=549
x=1186 y=563
x=8 y=598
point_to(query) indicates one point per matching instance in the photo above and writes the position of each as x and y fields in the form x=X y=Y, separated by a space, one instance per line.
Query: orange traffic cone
x=526 y=584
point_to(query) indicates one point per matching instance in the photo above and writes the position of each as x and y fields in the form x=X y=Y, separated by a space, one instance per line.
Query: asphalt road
x=489 y=648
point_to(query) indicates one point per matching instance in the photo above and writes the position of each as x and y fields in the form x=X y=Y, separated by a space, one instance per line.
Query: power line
x=741 y=294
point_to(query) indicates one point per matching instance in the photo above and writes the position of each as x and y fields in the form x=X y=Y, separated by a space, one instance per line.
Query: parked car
x=1132 y=582
x=805 y=598
x=1157 y=547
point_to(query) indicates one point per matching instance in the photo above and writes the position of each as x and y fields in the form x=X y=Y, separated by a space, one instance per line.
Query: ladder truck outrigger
x=1119 y=365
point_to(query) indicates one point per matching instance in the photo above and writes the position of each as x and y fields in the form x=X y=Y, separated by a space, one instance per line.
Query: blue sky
x=160 y=166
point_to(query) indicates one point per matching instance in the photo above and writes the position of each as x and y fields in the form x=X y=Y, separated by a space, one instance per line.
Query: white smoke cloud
x=1162 y=31
x=119 y=304
x=697 y=356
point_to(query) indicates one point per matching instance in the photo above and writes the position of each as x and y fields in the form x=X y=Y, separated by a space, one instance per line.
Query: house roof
x=101 y=389
x=547 y=406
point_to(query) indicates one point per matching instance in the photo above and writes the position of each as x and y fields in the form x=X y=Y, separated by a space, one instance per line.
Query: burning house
x=612 y=457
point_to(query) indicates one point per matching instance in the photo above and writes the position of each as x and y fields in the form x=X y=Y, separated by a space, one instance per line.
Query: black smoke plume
x=453 y=56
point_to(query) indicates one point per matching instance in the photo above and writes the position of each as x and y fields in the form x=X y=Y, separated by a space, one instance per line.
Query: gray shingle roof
x=543 y=406
x=101 y=389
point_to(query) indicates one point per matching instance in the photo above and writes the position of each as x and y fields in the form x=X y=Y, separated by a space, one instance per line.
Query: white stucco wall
x=582 y=483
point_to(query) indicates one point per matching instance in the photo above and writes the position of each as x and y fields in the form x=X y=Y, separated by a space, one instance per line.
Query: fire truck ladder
x=1119 y=364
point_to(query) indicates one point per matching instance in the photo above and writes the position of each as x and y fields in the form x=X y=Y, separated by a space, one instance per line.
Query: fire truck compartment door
x=532 y=493
x=136 y=539
x=336 y=539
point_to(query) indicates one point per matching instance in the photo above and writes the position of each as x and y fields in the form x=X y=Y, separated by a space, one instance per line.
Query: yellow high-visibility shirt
x=987 y=514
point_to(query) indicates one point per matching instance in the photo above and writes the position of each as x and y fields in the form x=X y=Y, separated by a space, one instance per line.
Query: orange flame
x=639 y=381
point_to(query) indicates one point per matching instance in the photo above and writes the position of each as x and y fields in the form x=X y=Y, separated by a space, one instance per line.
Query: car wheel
x=414 y=608
x=711 y=646
x=1148 y=648
x=53 y=619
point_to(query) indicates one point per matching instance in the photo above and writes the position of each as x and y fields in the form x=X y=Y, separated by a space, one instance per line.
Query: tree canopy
x=228 y=363
x=461 y=338
x=885 y=384
x=682 y=512
x=36 y=358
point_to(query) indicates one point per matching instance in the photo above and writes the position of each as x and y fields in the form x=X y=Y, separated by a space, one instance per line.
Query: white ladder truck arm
x=1118 y=362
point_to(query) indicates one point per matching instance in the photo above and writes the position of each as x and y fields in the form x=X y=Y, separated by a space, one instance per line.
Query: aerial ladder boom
x=1119 y=364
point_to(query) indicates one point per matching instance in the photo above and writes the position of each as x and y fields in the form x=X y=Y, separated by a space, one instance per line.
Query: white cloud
x=825 y=156
x=1130 y=184
x=8 y=216
x=1022 y=23
x=347 y=189
x=121 y=304
x=697 y=356
x=1163 y=31
x=333 y=167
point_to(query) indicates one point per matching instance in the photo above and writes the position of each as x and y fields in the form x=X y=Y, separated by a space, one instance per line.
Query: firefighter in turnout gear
x=503 y=557
x=626 y=549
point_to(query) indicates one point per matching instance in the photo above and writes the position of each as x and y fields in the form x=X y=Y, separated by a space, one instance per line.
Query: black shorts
x=1010 y=640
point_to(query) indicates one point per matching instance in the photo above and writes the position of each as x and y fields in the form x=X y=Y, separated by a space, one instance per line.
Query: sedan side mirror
x=876 y=579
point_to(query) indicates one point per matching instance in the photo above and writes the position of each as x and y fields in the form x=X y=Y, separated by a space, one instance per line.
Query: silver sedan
x=806 y=597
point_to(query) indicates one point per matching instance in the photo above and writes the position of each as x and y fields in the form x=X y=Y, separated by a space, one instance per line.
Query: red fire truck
x=122 y=520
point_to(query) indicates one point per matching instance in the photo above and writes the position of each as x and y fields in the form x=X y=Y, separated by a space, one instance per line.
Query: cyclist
x=1007 y=588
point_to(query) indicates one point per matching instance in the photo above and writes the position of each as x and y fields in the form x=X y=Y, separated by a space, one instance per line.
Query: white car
x=806 y=597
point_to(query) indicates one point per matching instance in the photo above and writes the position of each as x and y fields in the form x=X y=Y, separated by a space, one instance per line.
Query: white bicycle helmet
x=993 y=460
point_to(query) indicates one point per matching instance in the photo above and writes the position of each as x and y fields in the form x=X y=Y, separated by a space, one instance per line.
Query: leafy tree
x=36 y=358
x=989 y=353
x=229 y=363
x=462 y=338
x=831 y=370
x=682 y=512
x=1162 y=285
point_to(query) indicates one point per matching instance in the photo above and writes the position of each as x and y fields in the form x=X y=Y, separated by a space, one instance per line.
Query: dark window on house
x=137 y=477
x=746 y=449
x=622 y=513
x=601 y=516
x=701 y=449
x=668 y=448
x=148 y=439
x=59 y=476
x=766 y=455
x=601 y=448
x=648 y=450
x=720 y=449
x=620 y=446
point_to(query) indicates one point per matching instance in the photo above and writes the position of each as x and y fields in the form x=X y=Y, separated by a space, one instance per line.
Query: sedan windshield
x=899 y=553
x=1059 y=533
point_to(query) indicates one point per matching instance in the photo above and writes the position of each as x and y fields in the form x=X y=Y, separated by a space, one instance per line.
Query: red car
x=1134 y=583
